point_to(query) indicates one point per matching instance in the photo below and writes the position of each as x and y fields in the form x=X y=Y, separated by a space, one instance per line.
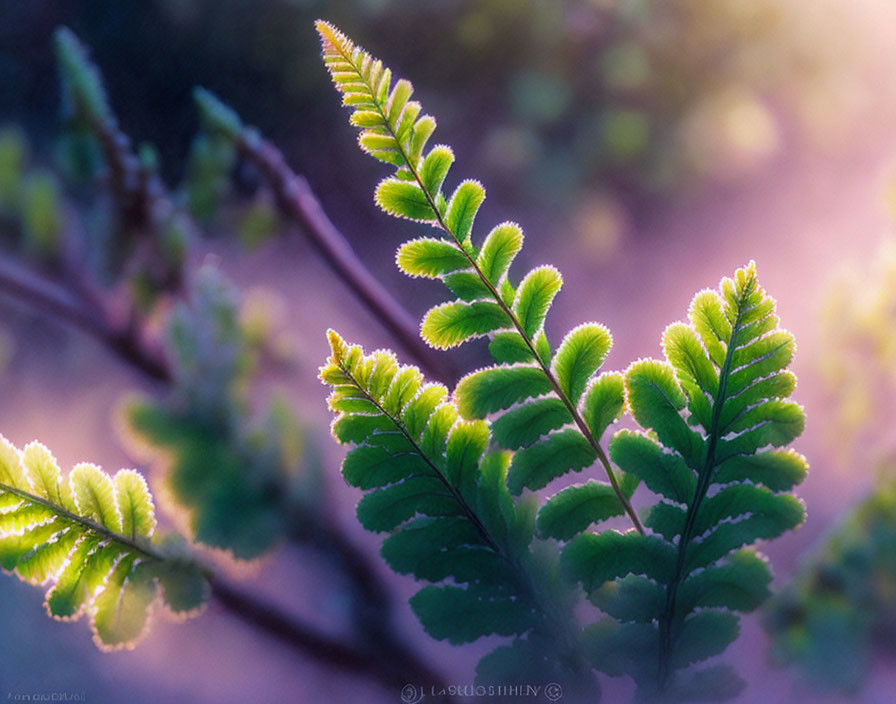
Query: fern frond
x=560 y=385
x=90 y=536
x=435 y=484
x=715 y=413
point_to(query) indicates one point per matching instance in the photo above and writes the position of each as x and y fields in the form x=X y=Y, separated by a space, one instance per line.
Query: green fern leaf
x=431 y=482
x=463 y=616
x=450 y=324
x=534 y=297
x=462 y=208
x=90 y=536
x=498 y=388
x=536 y=466
x=404 y=199
x=663 y=473
x=430 y=258
x=711 y=412
x=579 y=356
x=633 y=599
x=523 y=426
x=594 y=559
x=741 y=584
x=704 y=634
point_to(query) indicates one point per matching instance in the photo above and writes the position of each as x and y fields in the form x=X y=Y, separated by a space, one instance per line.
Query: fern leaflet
x=549 y=403
x=91 y=537
x=715 y=411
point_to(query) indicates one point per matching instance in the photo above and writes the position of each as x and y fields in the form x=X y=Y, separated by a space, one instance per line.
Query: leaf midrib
x=704 y=477
x=87 y=523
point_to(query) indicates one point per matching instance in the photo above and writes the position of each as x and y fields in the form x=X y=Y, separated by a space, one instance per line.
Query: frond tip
x=90 y=536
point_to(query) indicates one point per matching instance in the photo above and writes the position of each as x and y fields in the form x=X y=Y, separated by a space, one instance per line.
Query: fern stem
x=298 y=202
x=668 y=616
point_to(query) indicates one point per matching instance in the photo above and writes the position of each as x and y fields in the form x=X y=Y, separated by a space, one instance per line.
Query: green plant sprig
x=393 y=132
x=432 y=483
x=714 y=413
x=91 y=536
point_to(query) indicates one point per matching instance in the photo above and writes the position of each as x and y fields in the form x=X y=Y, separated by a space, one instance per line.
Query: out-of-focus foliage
x=631 y=92
x=30 y=198
x=238 y=480
x=92 y=538
x=609 y=99
x=234 y=475
x=840 y=610
x=212 y=171
x=860 y=369
x=136 y=234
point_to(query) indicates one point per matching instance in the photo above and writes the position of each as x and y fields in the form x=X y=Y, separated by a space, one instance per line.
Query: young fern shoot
x=433 y=483
x=91 y=537
x=550 y=403
x=715 y=413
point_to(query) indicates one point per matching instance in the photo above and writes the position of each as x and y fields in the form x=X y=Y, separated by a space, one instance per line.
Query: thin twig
x=48 y=298
x=299 y=203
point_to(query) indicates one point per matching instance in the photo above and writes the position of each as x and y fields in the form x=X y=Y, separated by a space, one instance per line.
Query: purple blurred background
x=780 y=160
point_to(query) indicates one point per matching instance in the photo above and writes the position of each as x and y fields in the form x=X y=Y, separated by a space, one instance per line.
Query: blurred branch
x=48 y=298
x=299 y=203
x=390 y=671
